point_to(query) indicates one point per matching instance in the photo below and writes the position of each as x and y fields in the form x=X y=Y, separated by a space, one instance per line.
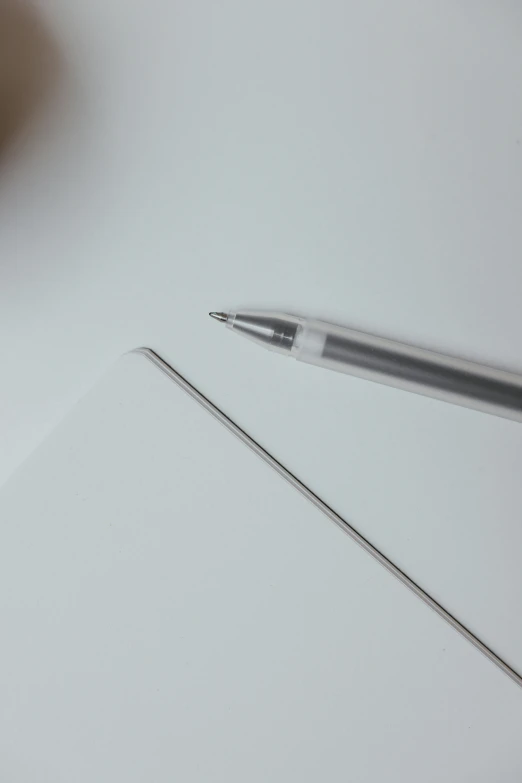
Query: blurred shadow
x=29 y=67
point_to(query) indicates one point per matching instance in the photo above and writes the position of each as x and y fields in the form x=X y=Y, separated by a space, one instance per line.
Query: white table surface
x=361 y=162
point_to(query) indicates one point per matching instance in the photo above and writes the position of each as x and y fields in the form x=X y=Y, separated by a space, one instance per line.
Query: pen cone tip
x=219 y=316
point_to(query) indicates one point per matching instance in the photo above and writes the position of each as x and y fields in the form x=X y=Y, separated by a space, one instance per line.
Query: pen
x=402 y=366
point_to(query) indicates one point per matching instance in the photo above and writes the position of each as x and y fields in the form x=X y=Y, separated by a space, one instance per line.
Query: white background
x=360 y=162
x=357 y=161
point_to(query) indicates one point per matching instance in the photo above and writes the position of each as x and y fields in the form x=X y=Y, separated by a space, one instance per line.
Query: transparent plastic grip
x=384 y=361
x=409 y=368
x=310 y=341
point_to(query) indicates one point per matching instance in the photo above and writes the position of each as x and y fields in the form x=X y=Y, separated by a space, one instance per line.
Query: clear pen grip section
x=310 y=341
x=406 y=367
x=346 y=350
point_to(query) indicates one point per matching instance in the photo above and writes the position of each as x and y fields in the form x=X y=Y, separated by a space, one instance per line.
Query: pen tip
x=219 y=316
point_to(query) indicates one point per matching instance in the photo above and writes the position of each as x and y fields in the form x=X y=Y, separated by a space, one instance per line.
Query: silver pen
x=385 y=361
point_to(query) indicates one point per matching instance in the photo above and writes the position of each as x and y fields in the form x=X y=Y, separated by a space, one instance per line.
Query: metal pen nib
x=223 y=317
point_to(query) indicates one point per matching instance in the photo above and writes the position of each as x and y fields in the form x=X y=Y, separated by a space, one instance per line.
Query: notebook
x=172 y=610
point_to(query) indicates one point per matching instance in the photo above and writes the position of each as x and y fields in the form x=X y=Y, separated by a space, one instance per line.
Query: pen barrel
x=412 y=369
